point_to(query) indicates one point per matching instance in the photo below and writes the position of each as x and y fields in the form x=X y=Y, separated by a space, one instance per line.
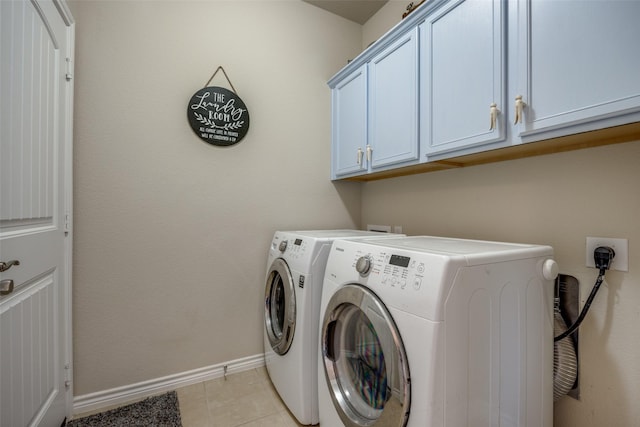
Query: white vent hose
x=565 y=363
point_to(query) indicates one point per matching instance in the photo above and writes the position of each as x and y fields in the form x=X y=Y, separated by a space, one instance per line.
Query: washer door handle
x=329 y=349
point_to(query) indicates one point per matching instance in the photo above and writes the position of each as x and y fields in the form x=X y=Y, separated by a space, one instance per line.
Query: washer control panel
x=297 y=248
x=292 y=247
x=410 y=281
x=391 y=269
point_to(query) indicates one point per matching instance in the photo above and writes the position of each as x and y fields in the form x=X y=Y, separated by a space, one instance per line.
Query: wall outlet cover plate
x=620 y=246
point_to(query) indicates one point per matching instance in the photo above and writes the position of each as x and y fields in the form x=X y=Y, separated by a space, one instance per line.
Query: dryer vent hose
x=565 y=363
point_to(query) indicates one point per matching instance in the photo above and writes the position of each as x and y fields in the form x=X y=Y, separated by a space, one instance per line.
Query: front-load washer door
x=364 y=360
x=280 y=307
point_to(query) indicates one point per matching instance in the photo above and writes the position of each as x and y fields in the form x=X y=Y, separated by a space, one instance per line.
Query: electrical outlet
x=620 y=247
x=379 y=228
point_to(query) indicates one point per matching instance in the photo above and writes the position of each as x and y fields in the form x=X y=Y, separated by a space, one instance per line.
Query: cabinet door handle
x=369 y=153
x=359 y=155
x=520 y=104
x=493 y=115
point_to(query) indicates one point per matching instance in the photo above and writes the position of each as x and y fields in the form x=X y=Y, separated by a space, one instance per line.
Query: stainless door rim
x=280 y=332
x=340 y=312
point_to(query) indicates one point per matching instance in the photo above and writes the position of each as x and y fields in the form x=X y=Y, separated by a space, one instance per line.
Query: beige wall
x=171 y=234
x=387 y=17
x=558 y=200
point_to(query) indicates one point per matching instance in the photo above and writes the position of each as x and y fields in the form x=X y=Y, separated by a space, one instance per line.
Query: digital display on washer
x=400 y=261
x=297 y=242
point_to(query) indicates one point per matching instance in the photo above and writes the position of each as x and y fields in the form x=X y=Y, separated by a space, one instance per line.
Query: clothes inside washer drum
x=368 y=369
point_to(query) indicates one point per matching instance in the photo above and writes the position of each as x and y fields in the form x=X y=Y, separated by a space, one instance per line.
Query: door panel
x=578 y=63
x=349 y=106
x=28 y=324
x=393 y=103
x=28 y=101
x=35 y=135
x=462 y=74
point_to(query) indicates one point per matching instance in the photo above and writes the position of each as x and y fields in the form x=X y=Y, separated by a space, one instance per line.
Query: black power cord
x=603 y=256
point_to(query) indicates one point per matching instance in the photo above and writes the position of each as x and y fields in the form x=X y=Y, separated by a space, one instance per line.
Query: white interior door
x=36 y=47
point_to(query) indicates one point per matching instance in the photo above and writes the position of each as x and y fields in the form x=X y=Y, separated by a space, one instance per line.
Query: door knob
x=4 y=266
x=6 y=286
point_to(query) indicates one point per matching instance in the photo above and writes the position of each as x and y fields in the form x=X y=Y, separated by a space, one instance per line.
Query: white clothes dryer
x=295 y=272
x=426 y=331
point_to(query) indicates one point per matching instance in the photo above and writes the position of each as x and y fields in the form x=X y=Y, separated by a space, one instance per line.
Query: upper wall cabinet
x=578 y=66
x=459 y=79
x=393 y=103
x=375 y=111
x=462 y=76
x=349 y=124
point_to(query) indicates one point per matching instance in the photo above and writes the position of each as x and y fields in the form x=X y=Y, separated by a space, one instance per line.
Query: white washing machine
x=295 y=271
x=427 y=331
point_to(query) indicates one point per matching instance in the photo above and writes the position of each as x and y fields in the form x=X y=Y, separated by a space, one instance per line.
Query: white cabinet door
x=578 y=64
x=393 y=103
x=35 y=198
x=349 y=121
x=463 y=66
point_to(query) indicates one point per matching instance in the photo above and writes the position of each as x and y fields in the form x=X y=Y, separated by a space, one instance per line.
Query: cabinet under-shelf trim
x=596 y=138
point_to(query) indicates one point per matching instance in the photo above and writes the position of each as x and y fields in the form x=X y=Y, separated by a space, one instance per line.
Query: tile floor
x=246 y=399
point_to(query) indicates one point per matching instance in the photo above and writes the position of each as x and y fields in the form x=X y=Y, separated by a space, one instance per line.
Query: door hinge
x=67 y=373
x=69 y=74
x=67 y=223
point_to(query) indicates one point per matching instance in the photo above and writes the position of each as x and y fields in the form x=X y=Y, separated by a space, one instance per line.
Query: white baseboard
x=120 y=395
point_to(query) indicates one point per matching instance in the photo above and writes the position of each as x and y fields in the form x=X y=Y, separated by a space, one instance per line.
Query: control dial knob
x=282 y=246
x=363 y=265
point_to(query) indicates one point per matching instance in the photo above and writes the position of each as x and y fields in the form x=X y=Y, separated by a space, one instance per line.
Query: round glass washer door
x=280 y=307
x=364 y=360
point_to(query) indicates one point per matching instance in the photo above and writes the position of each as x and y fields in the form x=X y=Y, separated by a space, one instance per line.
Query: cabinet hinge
x=69 y=74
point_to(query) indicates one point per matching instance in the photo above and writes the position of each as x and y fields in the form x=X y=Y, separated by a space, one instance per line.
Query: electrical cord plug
x=603 y=257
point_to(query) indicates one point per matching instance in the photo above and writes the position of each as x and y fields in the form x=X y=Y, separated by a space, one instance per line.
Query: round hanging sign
x=218 y=116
